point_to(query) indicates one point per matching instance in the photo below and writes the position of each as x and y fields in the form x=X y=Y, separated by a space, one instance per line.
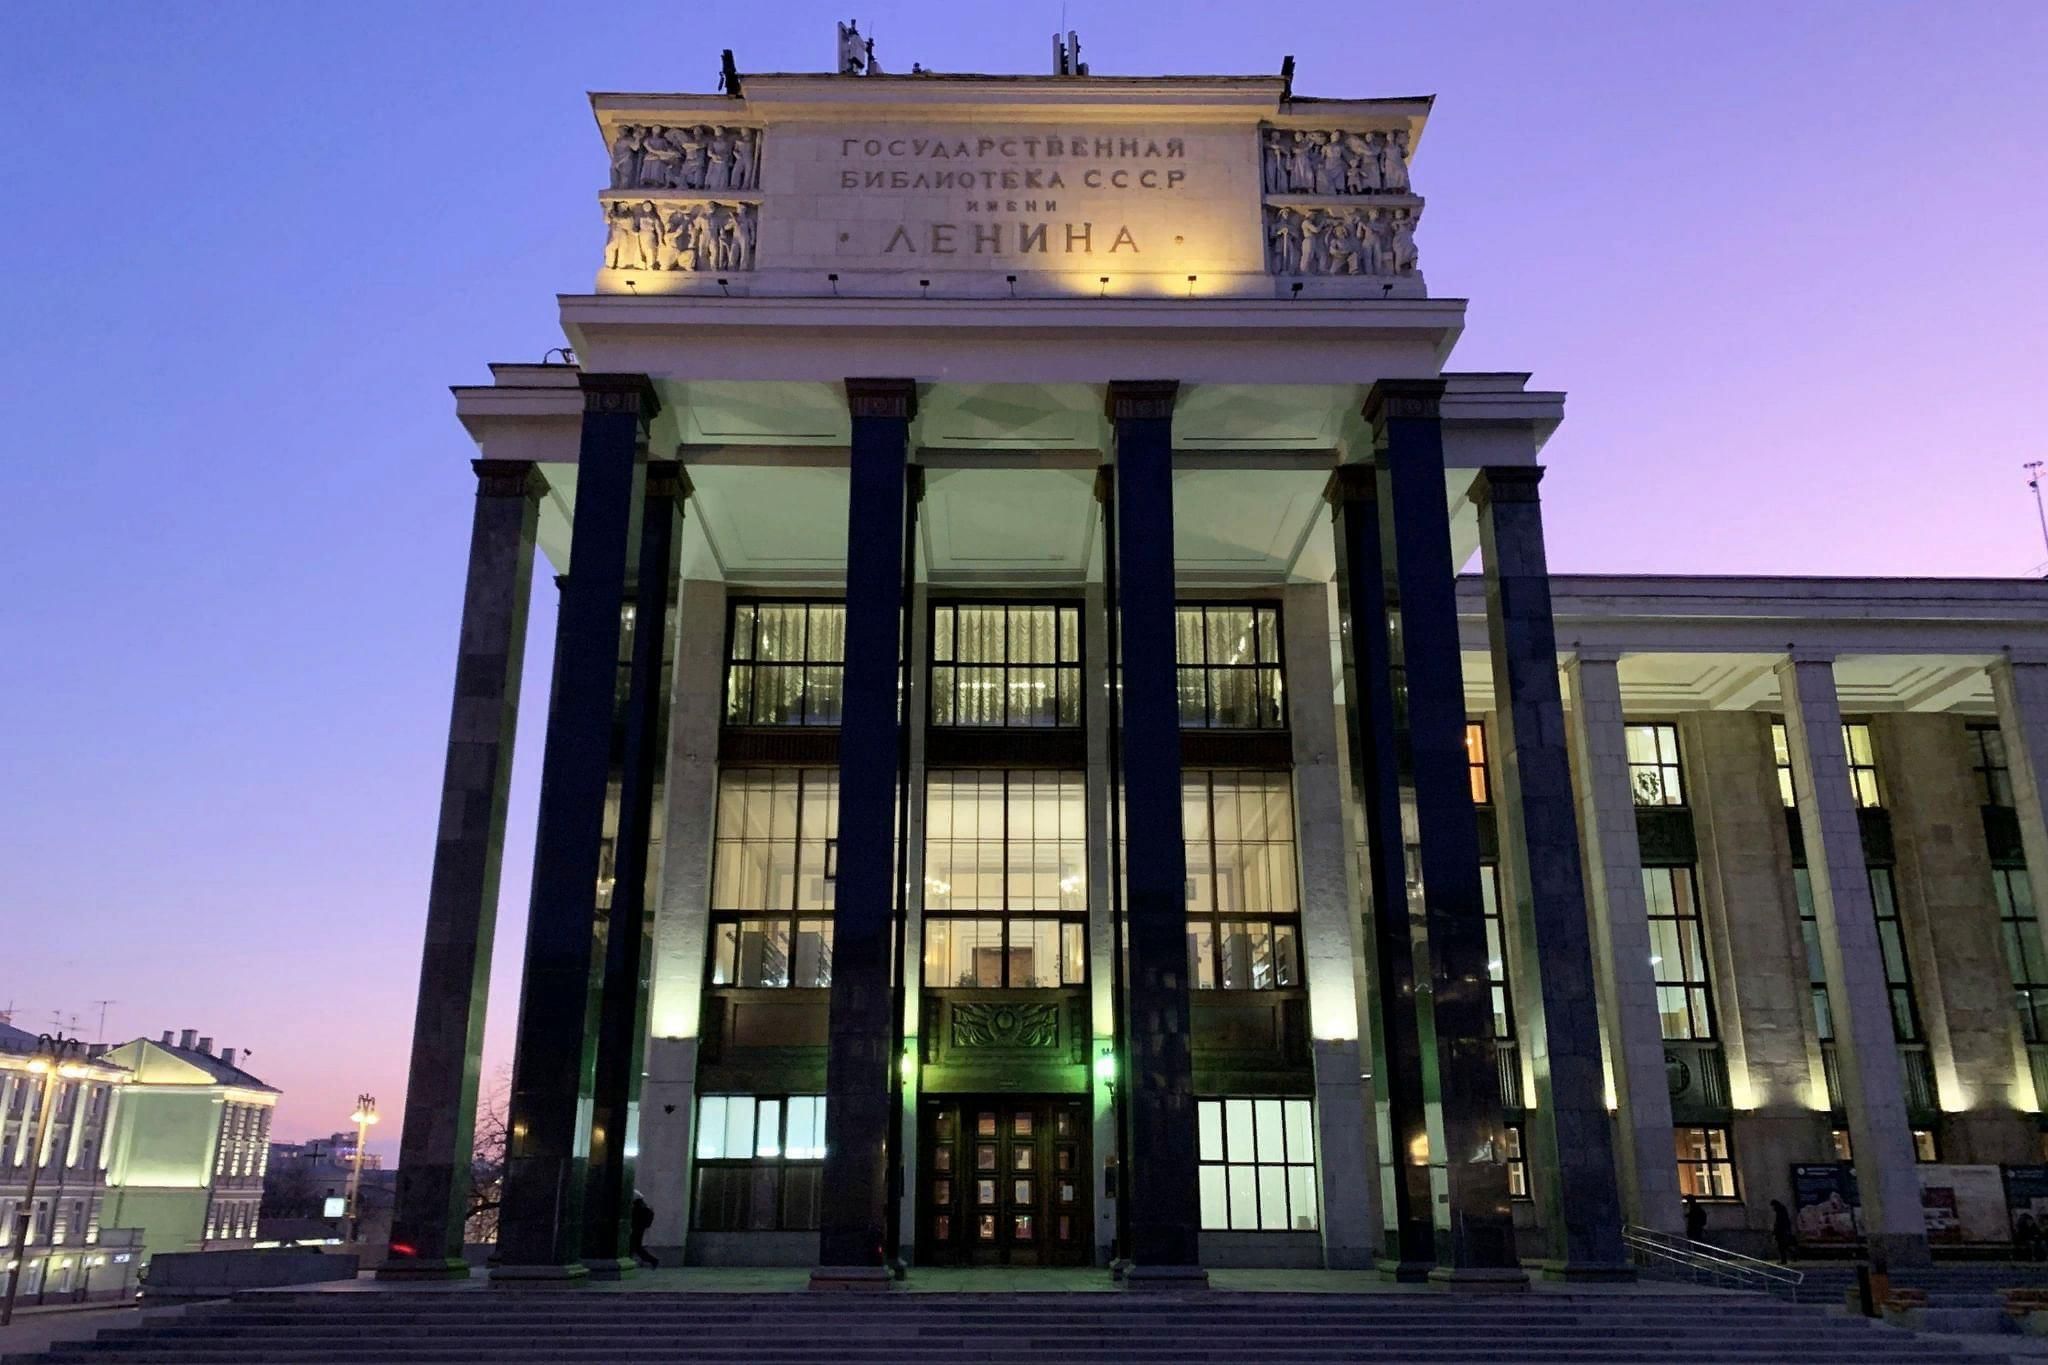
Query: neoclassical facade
x=1064 y=746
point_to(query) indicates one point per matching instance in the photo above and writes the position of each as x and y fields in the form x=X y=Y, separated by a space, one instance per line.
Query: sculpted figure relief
x=703 y=157
x=1297 y=161
x=1340 y=241
x=679 y=237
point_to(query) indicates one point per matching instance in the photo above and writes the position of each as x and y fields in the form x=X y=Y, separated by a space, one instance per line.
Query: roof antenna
x=1287 y=78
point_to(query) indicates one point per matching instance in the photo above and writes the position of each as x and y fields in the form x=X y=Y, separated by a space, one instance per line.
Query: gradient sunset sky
x=1788 y=259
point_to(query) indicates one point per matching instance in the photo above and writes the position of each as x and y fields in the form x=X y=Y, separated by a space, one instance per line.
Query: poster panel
x=1826 y=1210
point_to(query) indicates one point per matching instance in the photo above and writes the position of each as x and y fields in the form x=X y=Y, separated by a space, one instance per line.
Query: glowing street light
x=362 y=1118
x=52 y=1062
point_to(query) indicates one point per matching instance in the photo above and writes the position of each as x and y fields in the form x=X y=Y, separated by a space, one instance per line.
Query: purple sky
x=1787 y=258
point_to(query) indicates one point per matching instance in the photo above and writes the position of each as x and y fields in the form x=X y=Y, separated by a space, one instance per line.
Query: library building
x=1064 y=749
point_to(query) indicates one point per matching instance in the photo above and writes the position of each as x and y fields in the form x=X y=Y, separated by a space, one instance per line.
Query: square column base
x=1587 y=1272
x=1472 y=1280
x=412 y=1268
x=1172 y=1278
x=611 y=1268
x=540 y=1276
x=852 y=1277
x=1404 y=1272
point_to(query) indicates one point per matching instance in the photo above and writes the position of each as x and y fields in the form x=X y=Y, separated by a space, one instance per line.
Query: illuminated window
x=1706 y=1166
x=774 y=854
x=1517 y=1162
x=1654 y=775
x=1862 y=752
x=1006 y=879
x=1925 y=1148
x=785 y=663
x=1230 y=674
x=1244 y=899
x=1257 y=1165
x=2024 y=957
x=1496 y=952
x=1781 y=757
x=1475 y=763
x=1839 y=1138
x=1006 y=665
x=1816 y=967
x=1678 y=955
x=1989 y=763
x=760 y=1162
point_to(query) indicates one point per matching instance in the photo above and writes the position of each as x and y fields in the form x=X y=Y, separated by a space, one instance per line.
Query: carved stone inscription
x=1094 y=199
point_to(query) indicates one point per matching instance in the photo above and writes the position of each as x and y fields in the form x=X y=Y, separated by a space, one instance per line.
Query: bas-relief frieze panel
x=673 y=235
x=688 y=157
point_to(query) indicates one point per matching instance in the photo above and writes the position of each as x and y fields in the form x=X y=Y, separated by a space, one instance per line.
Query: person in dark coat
x=643 y=1219
x=1695 y=1219
x=1781 y=1229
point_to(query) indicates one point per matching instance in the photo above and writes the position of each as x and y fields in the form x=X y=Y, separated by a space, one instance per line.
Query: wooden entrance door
x=1003 y=1180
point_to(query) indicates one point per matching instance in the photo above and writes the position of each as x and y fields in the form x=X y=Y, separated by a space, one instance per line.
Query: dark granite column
x=540 y=1222
x=860 y=1064
x=1570 y=1137
x=1397 y=1067
x=1158 y=1066
x=1474 y=1228
x=462 y=897
x=626 y=928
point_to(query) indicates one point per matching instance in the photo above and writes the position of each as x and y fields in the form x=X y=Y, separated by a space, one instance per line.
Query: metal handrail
x=1702 y=1262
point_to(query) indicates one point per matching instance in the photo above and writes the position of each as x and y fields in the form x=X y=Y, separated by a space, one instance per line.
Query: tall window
x=1816 y=966
x=1862 y=753
x=1006 y=879
x=1496 y=952
x=1475 y=763
x=1244 y=900
x=1891 y=941
x=1517 y=1161
x=1989 y=763
x=1706 y=1162
x=773 y=862
x=1006 y=665
x=760 y=1162
x=785 y=663
x=1781 y=758
x=1678 y=955
x=1654 y=775
x=2023 y=952
x=1230 y=675
x=1257 y=1164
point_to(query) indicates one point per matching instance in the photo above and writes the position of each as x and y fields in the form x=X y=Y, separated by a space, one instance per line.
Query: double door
x=1003 y=1180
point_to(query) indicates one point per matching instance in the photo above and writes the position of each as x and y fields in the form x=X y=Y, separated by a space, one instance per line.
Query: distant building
x=306 y=1191
x=188 y=1145
x=70 y=1246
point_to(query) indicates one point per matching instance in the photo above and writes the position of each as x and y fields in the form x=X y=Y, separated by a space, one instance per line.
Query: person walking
x=1781 y=1230
x=643 y=1219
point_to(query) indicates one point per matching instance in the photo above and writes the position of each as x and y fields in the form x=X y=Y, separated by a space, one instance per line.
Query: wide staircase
x=645 y=1327
x=1829 y=1284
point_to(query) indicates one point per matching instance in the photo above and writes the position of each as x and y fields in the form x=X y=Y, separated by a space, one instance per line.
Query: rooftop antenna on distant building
x=2033 y=468
x=101 y=1036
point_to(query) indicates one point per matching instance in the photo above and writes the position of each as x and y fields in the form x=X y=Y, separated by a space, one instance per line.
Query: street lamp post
x=48 y=1062
x=363 y=1117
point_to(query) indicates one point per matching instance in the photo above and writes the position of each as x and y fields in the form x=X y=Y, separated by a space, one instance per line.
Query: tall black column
x=1397 y=1066
x=1158 y=1069
x=626 y=927
x=860 y=1063
x=1474 y=1227
x=540 y=1221
x=1569 y=1133
x=462 y=897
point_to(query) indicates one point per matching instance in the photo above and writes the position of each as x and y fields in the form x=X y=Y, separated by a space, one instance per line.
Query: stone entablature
x=979 y=187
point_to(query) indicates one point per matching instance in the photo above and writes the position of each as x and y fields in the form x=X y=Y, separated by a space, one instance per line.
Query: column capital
x=1420 y=399
x=1130 y=400
x=619 y=393
x=1350 y=483
x=895 y=398
x=508 y=479
x=667 y=479
x=1806 y=654
x=1576 y=656
x=1507 y=483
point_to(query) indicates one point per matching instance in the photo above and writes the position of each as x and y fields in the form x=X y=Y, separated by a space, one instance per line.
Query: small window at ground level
x=1706 y=1163
x=1257 y=1171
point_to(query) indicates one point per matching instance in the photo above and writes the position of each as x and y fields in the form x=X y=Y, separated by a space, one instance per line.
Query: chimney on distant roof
x=167 y=1038
x=227 y=1054
x=186 y=1038
x=206 y=1046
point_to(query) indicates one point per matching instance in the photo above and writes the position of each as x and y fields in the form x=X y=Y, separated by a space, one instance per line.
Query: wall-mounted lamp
x=1294 y=290
x=1011 y=280
x=721 y=287
x=833 y=278
x=1191 y=286
x=1104 y=291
